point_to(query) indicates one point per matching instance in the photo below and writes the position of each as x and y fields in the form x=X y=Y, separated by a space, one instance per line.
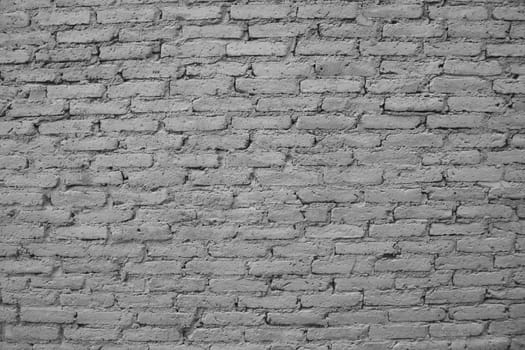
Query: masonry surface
x=263 y=176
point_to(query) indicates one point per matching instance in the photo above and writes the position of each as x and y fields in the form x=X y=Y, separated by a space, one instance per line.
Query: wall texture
x=296 y=175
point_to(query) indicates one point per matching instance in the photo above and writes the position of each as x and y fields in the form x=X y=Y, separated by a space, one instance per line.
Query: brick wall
x=264 y=176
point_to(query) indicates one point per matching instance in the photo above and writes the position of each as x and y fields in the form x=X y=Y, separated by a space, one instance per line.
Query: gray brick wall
x=223 y=175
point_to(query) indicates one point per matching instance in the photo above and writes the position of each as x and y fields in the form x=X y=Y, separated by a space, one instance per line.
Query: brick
x=191 y=13
x=260 y=10
x=132 y=89
x=203 y=160
x=459 y=67
x=505 y=50
x=370 y=121
x=31 y=333
x=325 y=122
x=476 y=104
x=29 y=38
x=123 y=160
x=355 y=105
x=393 y=298
x=311 y=47
x=488 y=210
x=356 y=175
x=35 y=109
x=123 y=15
x=459 y=295
x=394 y=11
x=21 y=198
x=331 y=158
x=221 y=177
x=94 y=317
x=414 y=104
x=150 y=70
x=457 y=229
x=136 y=124
x=81 y=232
x=230 y=267
x=330 y=85
x=412 y=264
x=213 y=69
x=459 y=85
x=335 y=231
x=154 y=268
x=477 y=30
x=195 y=123
x=348 y=30
x=256 y=160
x=413 y=140
x=44 y=315
x=474 y=174
x=86 y=36
x=59 y=17
x=463 y=262
x=125 y=51
x=461 y=140
x=78 y=199
x=504 y=157
x=201 y=87
x=398 y=331
x=456 y=121
x=347 y=11
x=277 y=69
x=296 y=178
x=366 y=248
x=32 y=180
x=66 y=127
x=383 y=86
x=212 y=104
x=417 y=315
x=397 y=230
x=37 y=75
x=336 y=333
x=509 y=86
x=266 y=86
x=13 y=162
x=449 y=330
x=16 y=19
x=390 y=48
x=452 y=49
x=165 y=32
x=474 y=245
x=481 y=279
x=418 y=30
x=341 y=300
x=103 y=178
x=75 y=91
x=302 y=318
x=165 y=105
x=75 y=54
x=26 y=266
x=469 y=13
x=273 y=104
x=197 y=48
x=509 y=13
x=93 y=72
x=213 y=335
x=359 y=213
x=256 y=48
x=272 y=30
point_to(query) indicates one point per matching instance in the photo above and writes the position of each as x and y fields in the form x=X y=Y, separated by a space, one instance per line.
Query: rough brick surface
x=262 y=175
